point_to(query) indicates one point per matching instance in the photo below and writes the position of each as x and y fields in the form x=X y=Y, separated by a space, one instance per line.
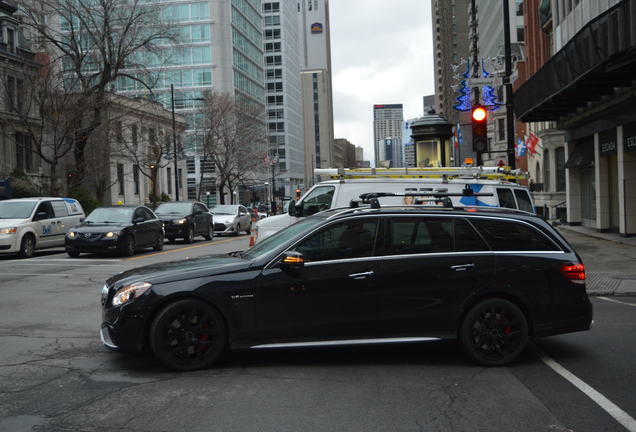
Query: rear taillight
x=574 y=272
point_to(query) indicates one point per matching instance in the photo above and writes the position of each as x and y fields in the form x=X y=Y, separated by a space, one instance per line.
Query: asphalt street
x=56 y=376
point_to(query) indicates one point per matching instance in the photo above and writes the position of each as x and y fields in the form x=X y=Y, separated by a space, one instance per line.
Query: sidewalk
x=610 y=260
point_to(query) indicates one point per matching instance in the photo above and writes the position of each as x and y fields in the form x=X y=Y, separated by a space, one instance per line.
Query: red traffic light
x=479 y=114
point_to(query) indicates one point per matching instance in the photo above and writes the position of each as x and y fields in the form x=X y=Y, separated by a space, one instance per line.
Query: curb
x=610 y=284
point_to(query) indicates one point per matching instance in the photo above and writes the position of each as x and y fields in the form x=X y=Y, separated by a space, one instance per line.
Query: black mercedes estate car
x=489 y=278
x=118 y=229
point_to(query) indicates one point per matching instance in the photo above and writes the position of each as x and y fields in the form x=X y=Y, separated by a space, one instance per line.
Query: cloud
x=380 y=55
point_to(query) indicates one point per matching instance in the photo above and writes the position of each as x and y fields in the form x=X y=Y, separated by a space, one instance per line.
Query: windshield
x=174 y=208
x=225 y=210
x=111 y=215
x=281 y=237
x=16 y=209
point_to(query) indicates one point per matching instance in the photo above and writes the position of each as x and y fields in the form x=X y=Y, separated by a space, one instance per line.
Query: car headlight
x=130 y=292
x=11 y=230
x=179 y=221
x=112 y=234
x=71 y=234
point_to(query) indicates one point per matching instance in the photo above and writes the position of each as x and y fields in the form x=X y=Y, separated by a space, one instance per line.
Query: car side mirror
x=138 y=220
x=40 y=216
x=292 y=260
x=295 y=210
x=82 y=220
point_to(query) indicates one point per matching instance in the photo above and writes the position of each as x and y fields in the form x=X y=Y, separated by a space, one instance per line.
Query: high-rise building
x=220 y=49
x=283 y=92
x=387 y=123
x=314 y=36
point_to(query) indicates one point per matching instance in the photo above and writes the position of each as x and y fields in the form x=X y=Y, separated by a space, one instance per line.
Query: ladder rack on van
x=445 y=173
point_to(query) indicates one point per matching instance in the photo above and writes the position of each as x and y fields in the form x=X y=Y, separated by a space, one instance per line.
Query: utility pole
x=174 y=147
x=474 y=52
x=510 y=121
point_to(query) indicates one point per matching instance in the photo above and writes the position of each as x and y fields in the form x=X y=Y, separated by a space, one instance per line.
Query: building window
x=10 y=92
x=24 y=153
x=169 y=178
x=11 y=40
x=546 y=170
x=134 y=135
x=560 y=169
x=519 y=7
x=520 y=34
x=180 y=182
x=501 y=129
x=136 y=178
x=120 y=178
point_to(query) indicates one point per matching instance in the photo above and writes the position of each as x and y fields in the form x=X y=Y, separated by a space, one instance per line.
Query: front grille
x=87 y=235
x=219 y=227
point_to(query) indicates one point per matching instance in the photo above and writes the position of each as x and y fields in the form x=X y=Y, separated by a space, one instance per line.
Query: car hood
x=9 y=223
x=170 y=217
x=188 y=268
x=221 y=218
x=99 y=228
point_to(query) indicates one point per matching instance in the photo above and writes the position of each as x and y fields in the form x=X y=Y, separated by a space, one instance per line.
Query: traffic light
x=479 y=119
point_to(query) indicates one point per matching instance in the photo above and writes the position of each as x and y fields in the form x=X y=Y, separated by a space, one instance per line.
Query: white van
x=424 y=182
x=27 y=224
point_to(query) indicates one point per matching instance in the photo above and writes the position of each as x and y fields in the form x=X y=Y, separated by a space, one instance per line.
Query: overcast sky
x=381 y=53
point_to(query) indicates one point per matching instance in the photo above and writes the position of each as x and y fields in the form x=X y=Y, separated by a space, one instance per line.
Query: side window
x=318 y=199
x=139 y=214
x=349 y=239
x=467 y=239
x=524 y=200
x=199 y=208
x=421 y=235
x=242 y=210
x=513 y=236
x=44 y=207
x=506 y=199
x=148 y=214
x=59 y=208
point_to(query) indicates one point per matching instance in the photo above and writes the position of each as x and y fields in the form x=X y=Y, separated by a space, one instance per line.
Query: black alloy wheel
x=27 y=246
x=189 y=238
x=73 y=253
x=210 y=233
x=159 y=244
x=188 y=335
x=494 y=332
x=129 y=246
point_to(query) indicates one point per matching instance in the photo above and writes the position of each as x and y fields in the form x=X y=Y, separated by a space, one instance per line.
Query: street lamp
x=207 y=198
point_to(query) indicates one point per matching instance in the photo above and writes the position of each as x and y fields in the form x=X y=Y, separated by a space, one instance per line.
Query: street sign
x=478 y=82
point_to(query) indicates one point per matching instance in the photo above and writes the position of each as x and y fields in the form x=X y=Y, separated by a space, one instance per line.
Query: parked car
x=490 y=279
x=27 y=224
x=186 y=219
x=424 y=181
x=121 y=229
x=231 y=219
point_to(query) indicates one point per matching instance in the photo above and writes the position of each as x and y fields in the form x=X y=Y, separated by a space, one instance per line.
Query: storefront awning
x=582 y=156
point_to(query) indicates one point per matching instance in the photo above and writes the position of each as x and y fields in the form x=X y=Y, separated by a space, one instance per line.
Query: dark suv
x=488 y=278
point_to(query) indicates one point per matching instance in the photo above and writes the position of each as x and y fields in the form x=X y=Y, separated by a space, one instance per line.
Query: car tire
x=73 y=253
x=159 y=244
x=27 y=246
x=210 y=233
x=189 y=238
x=188 y=335
x=494 y=332
x=129 y=246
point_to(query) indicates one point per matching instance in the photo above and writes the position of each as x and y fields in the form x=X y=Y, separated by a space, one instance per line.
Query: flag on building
x=520 y=147
x=531 y=143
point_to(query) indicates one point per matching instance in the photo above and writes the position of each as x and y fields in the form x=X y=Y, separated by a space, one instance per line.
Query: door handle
x=361 y=275
x=463 y=267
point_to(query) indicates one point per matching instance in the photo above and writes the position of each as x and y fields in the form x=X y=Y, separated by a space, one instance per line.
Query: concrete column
x=602 y=187
x=572 y=189
x=626 y=186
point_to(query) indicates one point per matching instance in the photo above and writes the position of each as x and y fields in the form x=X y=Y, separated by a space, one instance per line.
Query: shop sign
x=607 y=142
x=316 y=28
x=629 y=134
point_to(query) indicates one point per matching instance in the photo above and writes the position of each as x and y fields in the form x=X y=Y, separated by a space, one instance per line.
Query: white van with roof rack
x=501 y=185
x=27 y=224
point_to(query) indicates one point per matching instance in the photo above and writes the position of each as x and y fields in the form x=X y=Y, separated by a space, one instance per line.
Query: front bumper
x=220 y=228
x=123 y=327
x=172 y=230
x=98 y=244
x=9 y=243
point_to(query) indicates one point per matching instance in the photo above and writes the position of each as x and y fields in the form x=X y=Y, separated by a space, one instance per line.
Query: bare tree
x=233 y=138
x=98 y=42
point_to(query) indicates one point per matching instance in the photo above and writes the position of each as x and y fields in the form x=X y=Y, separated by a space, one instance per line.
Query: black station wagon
x=489 y=278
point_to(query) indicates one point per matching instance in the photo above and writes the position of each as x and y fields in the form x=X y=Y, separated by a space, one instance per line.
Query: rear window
x=512 y=236
x=523 y=199
x=506 y=199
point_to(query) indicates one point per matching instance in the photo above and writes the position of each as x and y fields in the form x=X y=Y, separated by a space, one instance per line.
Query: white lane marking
x=610 y=407
x=617 y=301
